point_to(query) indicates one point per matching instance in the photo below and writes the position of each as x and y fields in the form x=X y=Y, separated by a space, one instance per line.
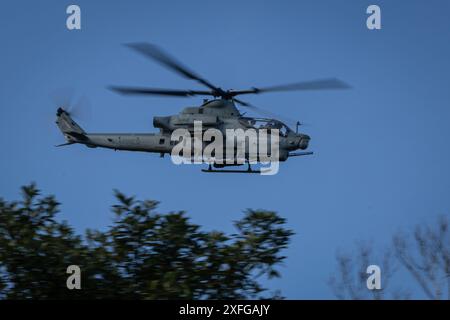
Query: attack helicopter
x=220 y=113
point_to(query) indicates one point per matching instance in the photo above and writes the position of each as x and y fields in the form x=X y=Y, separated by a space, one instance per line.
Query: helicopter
x=220 y=113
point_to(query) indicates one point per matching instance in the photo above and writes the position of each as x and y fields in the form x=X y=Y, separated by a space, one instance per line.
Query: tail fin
x=72 y=131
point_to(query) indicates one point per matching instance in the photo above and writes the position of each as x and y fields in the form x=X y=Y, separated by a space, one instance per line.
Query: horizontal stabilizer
x=65 y=144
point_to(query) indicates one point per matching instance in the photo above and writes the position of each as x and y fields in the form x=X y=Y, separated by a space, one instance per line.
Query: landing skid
x=249 y=170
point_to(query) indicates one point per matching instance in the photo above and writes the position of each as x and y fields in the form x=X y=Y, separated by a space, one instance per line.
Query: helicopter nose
x=303 y=141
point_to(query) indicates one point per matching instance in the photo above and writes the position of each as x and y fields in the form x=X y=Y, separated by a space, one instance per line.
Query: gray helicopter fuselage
x=147 y=142
x=218 y=114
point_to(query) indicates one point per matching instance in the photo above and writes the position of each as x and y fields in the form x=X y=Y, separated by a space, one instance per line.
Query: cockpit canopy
x=265 y=123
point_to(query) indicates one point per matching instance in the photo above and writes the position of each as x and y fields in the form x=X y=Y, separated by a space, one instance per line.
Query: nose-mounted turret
x=303 y=141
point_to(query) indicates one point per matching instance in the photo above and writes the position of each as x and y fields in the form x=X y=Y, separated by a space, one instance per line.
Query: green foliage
x=142 y=255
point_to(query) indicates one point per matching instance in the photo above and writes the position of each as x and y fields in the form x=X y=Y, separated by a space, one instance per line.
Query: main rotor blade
x=154 y=52
x=321 y=84
x=245 y=104
x=158 y=91
x=264 y=112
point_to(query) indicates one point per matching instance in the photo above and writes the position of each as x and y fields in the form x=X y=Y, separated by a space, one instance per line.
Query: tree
x=142 y=255
x=350 y=279
x=424 y=254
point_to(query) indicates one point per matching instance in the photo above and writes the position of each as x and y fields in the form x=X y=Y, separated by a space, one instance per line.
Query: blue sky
x=382 y=155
